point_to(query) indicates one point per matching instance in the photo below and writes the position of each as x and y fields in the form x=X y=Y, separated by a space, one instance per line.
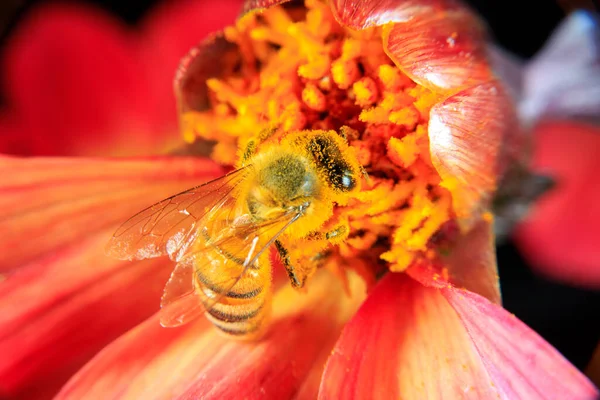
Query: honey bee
x=218 y=233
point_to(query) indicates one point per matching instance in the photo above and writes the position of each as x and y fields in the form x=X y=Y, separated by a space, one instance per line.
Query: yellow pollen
x=301 y=70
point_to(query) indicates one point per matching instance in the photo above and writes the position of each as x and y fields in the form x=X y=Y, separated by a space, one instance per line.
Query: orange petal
x=414 y=342
x=58 y=311
x=41 y=197
x=405 y=342
x=467 y=133
x=195 y=362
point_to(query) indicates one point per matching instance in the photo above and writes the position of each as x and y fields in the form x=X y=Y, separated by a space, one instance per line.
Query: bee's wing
x=171 y=225
x=198 y=283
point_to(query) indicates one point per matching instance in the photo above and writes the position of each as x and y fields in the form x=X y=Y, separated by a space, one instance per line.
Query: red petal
x=467 y=133
x=519 y=362
x=59 y=311
x=405 y=342
x=71 y=72
x=40 y=197
x=415 y=342
x=195 y=362
x=560 y=237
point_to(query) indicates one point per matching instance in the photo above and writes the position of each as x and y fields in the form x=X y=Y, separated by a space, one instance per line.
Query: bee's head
x=285 y=183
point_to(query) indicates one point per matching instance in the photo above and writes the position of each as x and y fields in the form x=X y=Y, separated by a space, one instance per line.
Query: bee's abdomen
x=244 y=309
x=240 y=310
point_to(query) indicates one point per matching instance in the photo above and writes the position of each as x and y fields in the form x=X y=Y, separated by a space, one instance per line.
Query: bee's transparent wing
x=171 y=225
x=214 y=269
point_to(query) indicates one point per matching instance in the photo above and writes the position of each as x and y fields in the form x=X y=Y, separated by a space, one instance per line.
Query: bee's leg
x=253 y=144
x=332 y=234
x=283 y=253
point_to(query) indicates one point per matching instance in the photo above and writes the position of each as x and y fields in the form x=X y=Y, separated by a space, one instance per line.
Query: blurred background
x=566 y=316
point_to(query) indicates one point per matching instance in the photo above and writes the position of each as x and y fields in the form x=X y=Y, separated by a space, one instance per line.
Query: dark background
x=567 y=317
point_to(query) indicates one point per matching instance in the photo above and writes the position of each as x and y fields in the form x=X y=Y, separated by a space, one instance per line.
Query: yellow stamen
x=302 y=70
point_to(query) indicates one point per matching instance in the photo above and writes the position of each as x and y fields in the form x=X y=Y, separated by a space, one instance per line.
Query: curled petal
x=444 y=344
x=361 y=14
x=58 y=311
x=195 y=362
x=471 y=264
x=40 y=197
x=466 y=133
x=212 y=58
x=251 y=5
x=442 y=51
x=560 y=236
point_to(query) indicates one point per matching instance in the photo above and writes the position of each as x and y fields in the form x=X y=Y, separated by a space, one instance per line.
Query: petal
x=212 y=58
x=560 y=237
x=471 y=264
x=468 y=134
x=251 y=5
x=195 y=362
x=443 y=51
x=405 y=342
x=40 y=197
x=361 y=14
x=70 y=73
x=520 y=363
x=563 y=79
x=58 y=311
x=416 y=342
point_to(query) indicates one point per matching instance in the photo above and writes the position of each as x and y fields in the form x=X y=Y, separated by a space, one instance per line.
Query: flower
x=417 y=335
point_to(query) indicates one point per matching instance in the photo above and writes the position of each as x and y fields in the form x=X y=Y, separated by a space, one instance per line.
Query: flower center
x=302 y=70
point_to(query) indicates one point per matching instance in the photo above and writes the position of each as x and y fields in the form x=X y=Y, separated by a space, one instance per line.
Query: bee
x=218 y=233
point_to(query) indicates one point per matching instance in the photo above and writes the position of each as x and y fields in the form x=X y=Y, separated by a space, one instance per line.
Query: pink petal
x=58 y=311
x=40 y=197
x=519 y=362
x=405 y=342
x=193 y=361
x=560 y=237
x=415 y=342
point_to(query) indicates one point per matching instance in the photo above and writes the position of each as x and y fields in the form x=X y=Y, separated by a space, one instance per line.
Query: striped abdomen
x=240 y=310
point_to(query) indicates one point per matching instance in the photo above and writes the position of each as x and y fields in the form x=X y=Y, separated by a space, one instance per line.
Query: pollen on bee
x=302 y=71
